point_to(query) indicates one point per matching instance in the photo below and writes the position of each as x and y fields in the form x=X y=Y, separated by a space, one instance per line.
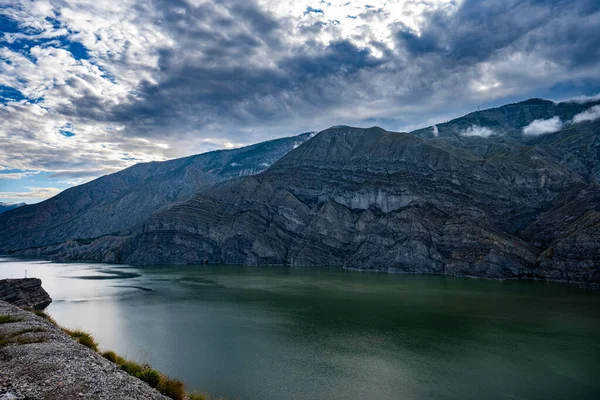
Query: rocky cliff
x=397 y=202
x=26 y=293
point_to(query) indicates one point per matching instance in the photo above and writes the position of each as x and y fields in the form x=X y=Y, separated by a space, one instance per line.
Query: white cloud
x=17 y=175
x=590 y=114
x=32 y=193
x=584 y=99
x=435 y=131
x=542 y=126
x=367 y=25
x=476 y=130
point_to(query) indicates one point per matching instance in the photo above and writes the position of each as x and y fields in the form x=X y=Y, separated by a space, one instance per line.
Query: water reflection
x=275 y=333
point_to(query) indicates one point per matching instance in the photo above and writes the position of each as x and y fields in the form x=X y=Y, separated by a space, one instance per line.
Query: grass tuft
x=169 y=387
x=28 y=330
x=6 y=319
x=42 y=314
x=28 y=340
x=111 y=356
x=150 y=376
x=172 y=388
x=14 y=338
x=83 y=337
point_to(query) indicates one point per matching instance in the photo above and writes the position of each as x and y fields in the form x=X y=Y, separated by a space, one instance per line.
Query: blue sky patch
x=67 y=130
x=66 y=133
x=8 y=25
x=8 y=94
x=313 y=10
x=77 y=49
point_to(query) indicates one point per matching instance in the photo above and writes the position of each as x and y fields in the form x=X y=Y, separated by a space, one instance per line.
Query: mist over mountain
x=479 y=195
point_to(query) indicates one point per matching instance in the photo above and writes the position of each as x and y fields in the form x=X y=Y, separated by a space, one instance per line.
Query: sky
x=90 y=87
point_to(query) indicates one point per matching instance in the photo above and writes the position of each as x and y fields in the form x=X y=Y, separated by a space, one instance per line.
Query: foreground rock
x=27 y=292
x=39 y=361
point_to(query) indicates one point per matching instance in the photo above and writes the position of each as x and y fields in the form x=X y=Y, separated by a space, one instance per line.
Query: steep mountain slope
x=503 y=206
x=372 y=199
x=118 y=202
x=6 y=207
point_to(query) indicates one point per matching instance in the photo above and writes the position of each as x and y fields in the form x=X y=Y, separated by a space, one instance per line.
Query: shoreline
x=584 y=285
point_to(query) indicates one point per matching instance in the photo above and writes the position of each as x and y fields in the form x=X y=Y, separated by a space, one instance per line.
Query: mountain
x=6 y=206
x=116 y=203
x=506 y=205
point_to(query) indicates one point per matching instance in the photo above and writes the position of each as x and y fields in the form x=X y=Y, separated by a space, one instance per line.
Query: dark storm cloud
x=210 y=93
x=561 y=29
x=204 y=79
x=244 y=71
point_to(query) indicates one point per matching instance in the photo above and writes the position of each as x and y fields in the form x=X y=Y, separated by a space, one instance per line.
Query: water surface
x=318 y=333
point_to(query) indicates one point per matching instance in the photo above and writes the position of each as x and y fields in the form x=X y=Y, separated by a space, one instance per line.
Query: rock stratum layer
x=433 y=201
x=39 y=361
x=27 y=292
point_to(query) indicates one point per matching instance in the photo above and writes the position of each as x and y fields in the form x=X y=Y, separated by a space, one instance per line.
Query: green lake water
x=318 y=333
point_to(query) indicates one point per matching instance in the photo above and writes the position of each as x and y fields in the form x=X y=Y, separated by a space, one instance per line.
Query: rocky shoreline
x=40 y=361
x=26 y=292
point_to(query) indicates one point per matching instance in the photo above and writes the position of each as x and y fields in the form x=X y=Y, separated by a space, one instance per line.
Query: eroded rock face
x=27 y=293
x=377 y=200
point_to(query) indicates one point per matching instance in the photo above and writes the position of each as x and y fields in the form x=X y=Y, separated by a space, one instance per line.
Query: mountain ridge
x=8 y=206
x=397 y=202
x=118 y=202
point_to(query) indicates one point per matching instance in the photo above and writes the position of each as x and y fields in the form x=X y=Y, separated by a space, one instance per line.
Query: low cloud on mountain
x=589 y=115
x=542 y=126
x=476 y=130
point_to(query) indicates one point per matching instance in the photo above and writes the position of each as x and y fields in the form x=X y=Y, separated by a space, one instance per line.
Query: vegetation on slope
x=169 y=387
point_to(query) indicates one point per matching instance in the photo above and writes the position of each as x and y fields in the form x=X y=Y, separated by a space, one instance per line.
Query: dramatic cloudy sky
x=88 y=87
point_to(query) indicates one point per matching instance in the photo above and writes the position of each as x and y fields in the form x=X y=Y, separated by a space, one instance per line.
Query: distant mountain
x=6 y=206
x=504 y=124
x=435 y=201
x=116 y=203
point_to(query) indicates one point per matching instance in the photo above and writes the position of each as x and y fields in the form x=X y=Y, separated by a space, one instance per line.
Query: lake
x=319 y=333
